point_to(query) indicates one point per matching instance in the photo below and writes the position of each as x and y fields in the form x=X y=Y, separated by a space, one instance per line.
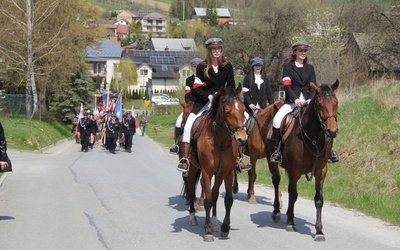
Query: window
x=186 y=72
x=164 y=67
x=97 y=68
x=144 y=72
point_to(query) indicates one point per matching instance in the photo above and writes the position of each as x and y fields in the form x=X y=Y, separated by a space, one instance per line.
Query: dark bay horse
x=214 y=150
x=255 y=148
x=306 y=150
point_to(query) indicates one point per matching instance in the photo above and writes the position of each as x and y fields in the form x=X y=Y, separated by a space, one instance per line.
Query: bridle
x=327 y=136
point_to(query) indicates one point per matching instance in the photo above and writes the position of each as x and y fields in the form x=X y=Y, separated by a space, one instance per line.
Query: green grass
x=25 y=134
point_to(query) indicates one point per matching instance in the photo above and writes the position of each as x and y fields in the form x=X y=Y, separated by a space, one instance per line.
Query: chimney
x=166 y=48
x=126 y=50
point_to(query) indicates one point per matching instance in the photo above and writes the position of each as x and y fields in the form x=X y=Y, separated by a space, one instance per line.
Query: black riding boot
x=175 y=148
x=276 y=157
x=183 y=165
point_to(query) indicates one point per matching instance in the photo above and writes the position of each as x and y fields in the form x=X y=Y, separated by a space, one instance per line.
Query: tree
x=68 y=103
x=126 y=75
x=38 y=37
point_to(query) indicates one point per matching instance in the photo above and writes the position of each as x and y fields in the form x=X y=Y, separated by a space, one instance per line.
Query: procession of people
x=106 y=130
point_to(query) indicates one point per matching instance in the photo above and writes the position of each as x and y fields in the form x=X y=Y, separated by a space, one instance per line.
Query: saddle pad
x=198 y=126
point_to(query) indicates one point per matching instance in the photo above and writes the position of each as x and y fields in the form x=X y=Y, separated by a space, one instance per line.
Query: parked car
x=159 y=97
x=169 y=101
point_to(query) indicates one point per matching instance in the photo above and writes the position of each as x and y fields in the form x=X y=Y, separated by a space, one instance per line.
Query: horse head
x=326 y=107
x=229 y=112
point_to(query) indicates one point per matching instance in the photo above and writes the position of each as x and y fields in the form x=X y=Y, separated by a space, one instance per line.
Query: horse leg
x=251 y=198
x=191 y=195
x=319 y=202
x=228 y=201
x=235 y=184
x=206 y=186
x=276 y=178
x=215 y=195
x=292 y=189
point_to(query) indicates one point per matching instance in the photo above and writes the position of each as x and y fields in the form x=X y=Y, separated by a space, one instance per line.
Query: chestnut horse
x=306 y=150
x=255 y=148
x=214 y=150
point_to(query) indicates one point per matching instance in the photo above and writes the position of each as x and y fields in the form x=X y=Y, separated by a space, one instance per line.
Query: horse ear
x=315 y=87
x=239 y=88
x=335 y=85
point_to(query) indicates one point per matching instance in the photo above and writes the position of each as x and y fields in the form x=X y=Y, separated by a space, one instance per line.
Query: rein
x=318 y=152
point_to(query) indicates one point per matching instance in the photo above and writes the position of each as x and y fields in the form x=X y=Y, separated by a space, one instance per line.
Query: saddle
x=286 y=125
x=197 y=127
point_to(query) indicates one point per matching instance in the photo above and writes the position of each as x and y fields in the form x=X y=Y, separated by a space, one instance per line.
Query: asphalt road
x=61 y=198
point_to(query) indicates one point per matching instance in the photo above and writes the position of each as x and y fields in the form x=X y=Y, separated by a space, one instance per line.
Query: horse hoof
x=193 y=220
x=319 y=238
x=276 y=217
x=290 y=228
x=224 y=234
x=252 y=200
x=200 y=208
x=215 y=228
x=208 y=238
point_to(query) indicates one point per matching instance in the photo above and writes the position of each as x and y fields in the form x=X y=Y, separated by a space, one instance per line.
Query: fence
x=13 y=104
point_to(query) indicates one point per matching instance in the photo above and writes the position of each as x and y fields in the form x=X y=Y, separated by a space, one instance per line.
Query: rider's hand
x=210 y=98
x=252 y=106
x=298 y=102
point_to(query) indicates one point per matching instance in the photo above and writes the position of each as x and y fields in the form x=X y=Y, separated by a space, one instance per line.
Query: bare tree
x=23 y=58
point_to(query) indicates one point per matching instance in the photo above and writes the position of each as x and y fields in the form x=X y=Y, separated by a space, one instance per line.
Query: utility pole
x=183 y=13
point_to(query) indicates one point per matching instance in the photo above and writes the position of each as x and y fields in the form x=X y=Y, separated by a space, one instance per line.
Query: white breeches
x=285 y=109
x=179 y=120
x=190 y=121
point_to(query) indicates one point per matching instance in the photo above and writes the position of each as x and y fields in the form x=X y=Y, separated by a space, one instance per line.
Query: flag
x=81 y=112
x=107 y=100
x=133 y=113
x=134 y=117
x=118 y=107
x=80 y=115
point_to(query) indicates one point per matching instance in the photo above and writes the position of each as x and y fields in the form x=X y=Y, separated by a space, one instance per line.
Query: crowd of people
x=105 y=130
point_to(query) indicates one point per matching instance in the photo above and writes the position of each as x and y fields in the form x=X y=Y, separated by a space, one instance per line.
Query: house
x=102 y=58
x=372 y=56
x=167 y=70
x=119 y=30
x=173 y=44
x=222 y=13
x=152 y=22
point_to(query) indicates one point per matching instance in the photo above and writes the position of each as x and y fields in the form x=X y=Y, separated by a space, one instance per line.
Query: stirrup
x=244 y=166
x=181 y=167
x=275 y=155
x=174 y=149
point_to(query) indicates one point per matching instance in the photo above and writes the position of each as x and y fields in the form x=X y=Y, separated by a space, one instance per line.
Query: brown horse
x=306 y=150
x=214 y=151
x=255 y=148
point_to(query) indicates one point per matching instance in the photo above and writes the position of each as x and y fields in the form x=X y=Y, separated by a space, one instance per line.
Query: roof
x=221 y=12
x=105 y=48
x=154 y=15
x=123 y=29
x=380 y=51
x=174 y=44
x=165 y=64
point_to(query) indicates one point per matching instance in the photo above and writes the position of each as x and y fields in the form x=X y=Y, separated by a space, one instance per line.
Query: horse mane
x=229 y=95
